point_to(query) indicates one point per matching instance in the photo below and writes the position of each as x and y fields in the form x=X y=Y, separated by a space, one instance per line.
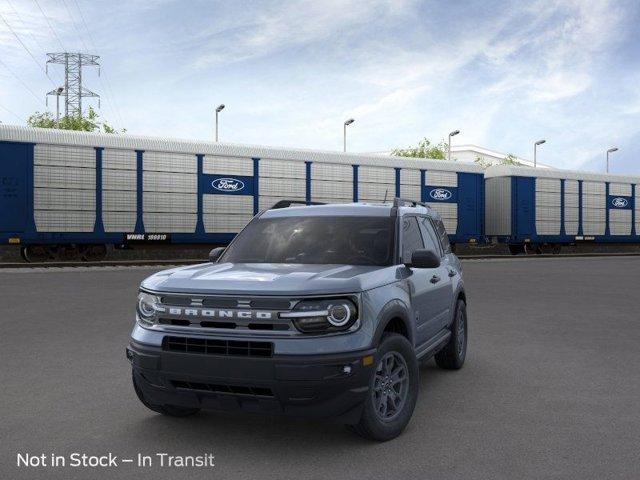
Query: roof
x=512 y=171
x=134 y=142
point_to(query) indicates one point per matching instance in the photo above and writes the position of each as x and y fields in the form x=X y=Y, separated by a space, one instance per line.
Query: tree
x=425 y=149
x=89 y=123
x=510 y=159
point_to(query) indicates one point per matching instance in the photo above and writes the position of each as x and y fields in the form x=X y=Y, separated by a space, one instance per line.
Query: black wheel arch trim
x=392 y=310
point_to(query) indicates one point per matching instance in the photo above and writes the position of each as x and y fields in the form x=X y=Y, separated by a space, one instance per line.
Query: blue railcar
x=543 y=209
x=72 y=193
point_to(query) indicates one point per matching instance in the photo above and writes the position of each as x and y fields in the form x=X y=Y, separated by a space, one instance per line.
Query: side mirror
x=424 y=259
x=215 y=254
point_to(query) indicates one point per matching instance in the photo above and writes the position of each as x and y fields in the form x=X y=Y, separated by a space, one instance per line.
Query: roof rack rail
x=288 y=203
x=400 y=202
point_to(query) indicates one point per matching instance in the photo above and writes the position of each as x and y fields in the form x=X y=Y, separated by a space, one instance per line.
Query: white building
x=469 y=154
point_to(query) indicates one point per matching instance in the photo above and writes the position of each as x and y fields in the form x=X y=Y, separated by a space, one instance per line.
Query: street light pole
x=218 y=110
x=344 y=133
x=611 y=150
x=59 y=90
x=452 y=134
x=535 y=152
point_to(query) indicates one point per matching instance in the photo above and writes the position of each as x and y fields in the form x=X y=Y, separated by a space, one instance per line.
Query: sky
x=504 y=73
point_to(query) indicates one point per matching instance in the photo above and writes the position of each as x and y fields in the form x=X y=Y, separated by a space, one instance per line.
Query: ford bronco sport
x=321 y=311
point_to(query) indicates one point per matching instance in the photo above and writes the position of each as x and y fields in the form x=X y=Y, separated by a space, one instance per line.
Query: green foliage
x=89 y=123
x=425 y=149
x=510 y=159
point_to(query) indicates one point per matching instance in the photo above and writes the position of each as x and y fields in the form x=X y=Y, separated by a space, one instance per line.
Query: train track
x=182 y=261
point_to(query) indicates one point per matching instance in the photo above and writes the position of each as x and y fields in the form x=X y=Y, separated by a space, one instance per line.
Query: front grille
x=218 y=347
x=219 y=388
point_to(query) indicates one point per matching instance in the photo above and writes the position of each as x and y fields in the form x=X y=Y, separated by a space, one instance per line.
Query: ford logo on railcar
x=228 y=184
x=619 y=202
x=440 y=194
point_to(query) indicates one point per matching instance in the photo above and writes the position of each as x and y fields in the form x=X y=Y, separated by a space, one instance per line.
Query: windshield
x=317 y=240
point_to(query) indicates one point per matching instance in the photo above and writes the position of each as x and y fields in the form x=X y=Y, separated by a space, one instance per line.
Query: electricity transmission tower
x=73 y=90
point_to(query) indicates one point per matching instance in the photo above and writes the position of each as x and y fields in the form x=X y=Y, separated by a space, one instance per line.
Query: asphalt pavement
x=551 y=387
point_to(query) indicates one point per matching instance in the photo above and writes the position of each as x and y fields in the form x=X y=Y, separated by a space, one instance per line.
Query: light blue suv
x=320 y=311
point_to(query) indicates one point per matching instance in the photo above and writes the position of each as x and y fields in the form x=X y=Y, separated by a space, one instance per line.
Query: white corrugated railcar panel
x=571 y=228
x=64 y=156
x=449 y=214
x=571 y=217
x=118 y=159
x=119 y=221
x=436 y=178
x=571 y=200
x=218 y=223
x=64 y=221
x=227 y=165
x=547 y=185
x=119 y=180
x=282 y=169
x=409 y=176
x=571 y=186
x=545 y=199
x=593 y=228
x=169 y=182
x=548 y=217
x=332 y=200
x=331 y=189
x=169 y=162
x=267 y=201
x=547 y=213
x=378 y=175
x=594 y=214
x=595 y=188
x=331 y=171
x=119 y=201
x=170 y=222
x=376 y=191
x=64 y=177
x=170 y=202
x=620 y=221
x=294 y=187
x=594 y=201
x=623 y=189
x=497 y=209
x=63 y=199
x=228 y=204
x=637 y=208
x=411 y=192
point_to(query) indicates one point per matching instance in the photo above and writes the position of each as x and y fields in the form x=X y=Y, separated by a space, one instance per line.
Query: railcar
x=67 y=194
x=540 y=210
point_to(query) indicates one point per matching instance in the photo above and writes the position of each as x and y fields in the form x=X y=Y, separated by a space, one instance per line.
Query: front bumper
x=311 y=386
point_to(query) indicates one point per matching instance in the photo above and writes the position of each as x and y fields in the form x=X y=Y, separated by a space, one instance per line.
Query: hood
x=270 y=279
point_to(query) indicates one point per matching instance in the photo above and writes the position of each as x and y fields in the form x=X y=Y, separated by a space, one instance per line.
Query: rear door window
x=411 y=238
x=431 y=240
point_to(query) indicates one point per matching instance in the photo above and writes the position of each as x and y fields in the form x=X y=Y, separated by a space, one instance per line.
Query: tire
x=385 y=425
x=452 y=356
x=169 y=410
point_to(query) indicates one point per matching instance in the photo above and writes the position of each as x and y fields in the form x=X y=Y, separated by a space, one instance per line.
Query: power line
x=24 y=26
x=12 y=113
x=75 y=27
x=106 y=85
x=21 y=81
x=50 y=26
x=27 y=49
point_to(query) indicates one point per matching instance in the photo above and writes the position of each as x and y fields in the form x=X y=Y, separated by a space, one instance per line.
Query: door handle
x=452 y=272
x=435 y=279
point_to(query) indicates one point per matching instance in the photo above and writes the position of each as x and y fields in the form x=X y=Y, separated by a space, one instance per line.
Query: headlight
x=323 y=316
x=148 y=306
